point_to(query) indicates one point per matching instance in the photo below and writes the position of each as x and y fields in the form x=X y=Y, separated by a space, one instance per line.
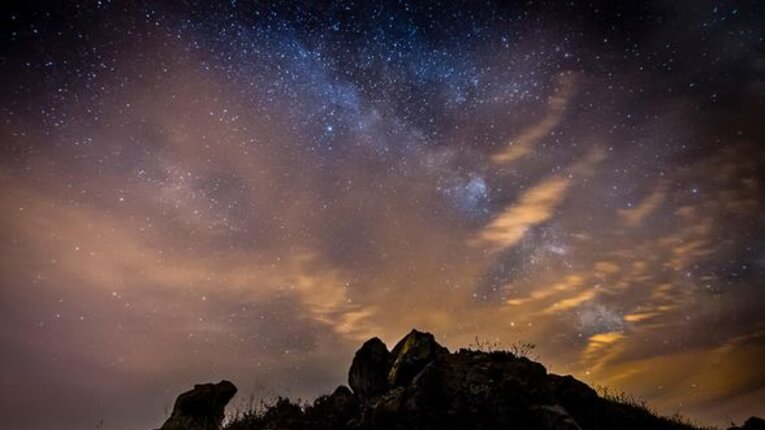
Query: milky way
x=194 y=192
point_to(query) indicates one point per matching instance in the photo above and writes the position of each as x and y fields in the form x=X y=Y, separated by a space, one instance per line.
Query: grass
x=255 y=414
x=629 y=400
x=517 y=349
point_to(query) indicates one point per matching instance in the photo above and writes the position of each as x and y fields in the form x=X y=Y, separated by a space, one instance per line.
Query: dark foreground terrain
x=421 y=385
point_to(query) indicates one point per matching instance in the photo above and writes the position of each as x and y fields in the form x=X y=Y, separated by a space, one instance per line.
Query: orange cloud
x=522 y=144
x=635 y=216
x=533 y=207
x=571 y=302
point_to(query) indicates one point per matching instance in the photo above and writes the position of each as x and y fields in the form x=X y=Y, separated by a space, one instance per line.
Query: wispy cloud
x=533 y=207
x=522 y=144
x=635 y=216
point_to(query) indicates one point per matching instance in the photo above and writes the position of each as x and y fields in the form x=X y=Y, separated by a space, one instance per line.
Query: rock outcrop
x=420 y=385
x=410 y=356
x=201 y=408
x=368 y=376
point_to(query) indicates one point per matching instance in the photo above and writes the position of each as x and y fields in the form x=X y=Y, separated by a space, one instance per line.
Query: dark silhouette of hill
x=420 y=385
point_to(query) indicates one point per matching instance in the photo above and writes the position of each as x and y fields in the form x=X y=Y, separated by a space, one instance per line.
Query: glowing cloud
x=635 y=216
x=533 y=207
x=522 y=144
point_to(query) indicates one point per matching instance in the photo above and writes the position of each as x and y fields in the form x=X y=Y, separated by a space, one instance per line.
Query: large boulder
x=410 y=356
x=201 y=408
x=368 y=376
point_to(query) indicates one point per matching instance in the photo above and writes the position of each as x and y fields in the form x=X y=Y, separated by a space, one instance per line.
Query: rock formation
x=368 y=375
x=201 y=408
x=420 y=385
x=411 y=354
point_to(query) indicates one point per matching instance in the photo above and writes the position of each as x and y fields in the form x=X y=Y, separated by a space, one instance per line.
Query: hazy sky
x=194 y=192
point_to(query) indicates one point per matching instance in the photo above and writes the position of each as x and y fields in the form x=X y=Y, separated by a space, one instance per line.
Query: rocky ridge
x=420 y=385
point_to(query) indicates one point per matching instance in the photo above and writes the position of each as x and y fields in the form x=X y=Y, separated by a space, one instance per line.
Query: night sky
x=193 y=192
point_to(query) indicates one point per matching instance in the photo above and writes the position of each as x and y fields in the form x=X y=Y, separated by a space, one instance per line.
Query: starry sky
x=246 y=190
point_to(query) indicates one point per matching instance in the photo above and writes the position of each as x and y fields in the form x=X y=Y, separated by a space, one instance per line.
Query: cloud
x=601 y=347
x=540 y=293
x=571 y=302
x=689 y=380
x=533 y=207
x=536 y=205
x=325 y=296
x=102 y=251
x=635 y=216
x=522 y=144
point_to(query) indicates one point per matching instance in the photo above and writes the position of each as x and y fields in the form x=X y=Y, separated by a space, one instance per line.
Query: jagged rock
x=201 y=408
x=368 y=376
x=432 y=389
x=411 y=354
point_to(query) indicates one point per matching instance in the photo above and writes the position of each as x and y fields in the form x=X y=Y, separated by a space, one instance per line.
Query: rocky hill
x=419 y=384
